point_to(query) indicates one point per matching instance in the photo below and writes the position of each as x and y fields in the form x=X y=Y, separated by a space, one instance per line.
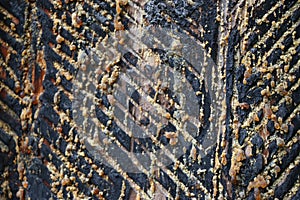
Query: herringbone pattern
x=255 y=45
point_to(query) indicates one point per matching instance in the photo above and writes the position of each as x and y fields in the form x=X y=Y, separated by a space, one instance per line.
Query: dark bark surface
x=255 y=45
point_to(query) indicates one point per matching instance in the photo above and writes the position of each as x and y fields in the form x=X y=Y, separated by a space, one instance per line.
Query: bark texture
x=254 y=43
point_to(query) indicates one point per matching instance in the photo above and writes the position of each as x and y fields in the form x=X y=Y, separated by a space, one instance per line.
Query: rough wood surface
x=255 y=45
